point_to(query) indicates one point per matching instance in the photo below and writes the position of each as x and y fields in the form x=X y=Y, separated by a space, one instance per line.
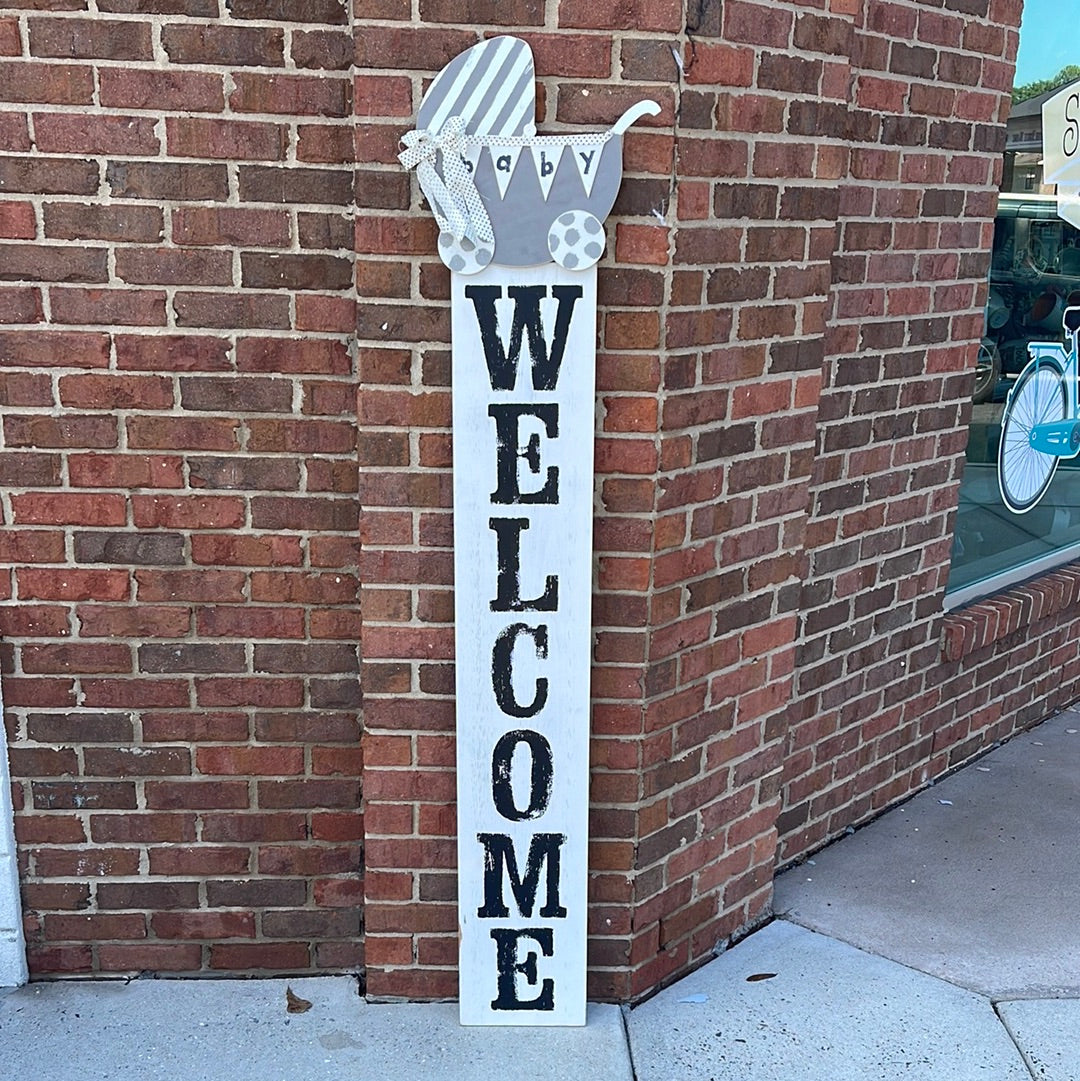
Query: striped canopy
x=490 y=86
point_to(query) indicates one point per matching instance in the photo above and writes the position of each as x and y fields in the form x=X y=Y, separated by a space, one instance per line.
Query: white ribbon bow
x=455 y=201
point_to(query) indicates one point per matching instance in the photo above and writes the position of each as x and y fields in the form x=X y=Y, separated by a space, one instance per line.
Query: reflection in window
x=1034 y=279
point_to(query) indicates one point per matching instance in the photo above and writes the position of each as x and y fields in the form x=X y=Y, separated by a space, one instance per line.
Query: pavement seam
x=1012 y=1036
x=884 y=957
x=624 y=1013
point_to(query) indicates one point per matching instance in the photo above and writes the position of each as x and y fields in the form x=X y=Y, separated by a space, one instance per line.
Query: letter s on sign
x=1070 y=140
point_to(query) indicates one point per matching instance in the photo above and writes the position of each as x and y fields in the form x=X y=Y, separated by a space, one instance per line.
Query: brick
x=191 y=657
x=186 y=91
x=82 y=863
x=247 y=622
x=308 y=859
x=266 y=693
x=141 y=621
x=170 y=266
x=282 y=826
x=273 y=184
x=247 y=472
x=612 y=15
x=51 y=84
x=74 y=657
x=121 y=693
x=125 y=471
x=109 y=307
x=21 y=305
x=49 y=176
x=239 y=311
x=128 y=829
x=291 y=95
x=190 y=585
x=426 y=49
x=172 y=353
x=243 y=140
x=115 y=392
x=267 y=551
x=224 y=44
x=263 y=893
x=211 y=925
x=86 y=39
x=314 y=356
x=67 y=959
x=10 y=44
x=179 y=181
x=18 y=222
x=272 y=956
x=29 y=470
x=194 y=727
x=80 y=221
x=263 y=271
x=32 y=546
x=251 y=761
x=199 y=860
x=95 y=926
x=53 y=263
x=196 y=795
x=68 y=134
x=151 y=957
x=327 y=143
x=326 y=49
x=41 y=348
x=315 y=11
x=69 y=508
x=309 y=794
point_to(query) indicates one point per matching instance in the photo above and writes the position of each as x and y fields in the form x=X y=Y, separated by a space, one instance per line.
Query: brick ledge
x=969 y=629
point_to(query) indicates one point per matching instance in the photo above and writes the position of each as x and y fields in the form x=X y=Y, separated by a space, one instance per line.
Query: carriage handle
x=634 y=113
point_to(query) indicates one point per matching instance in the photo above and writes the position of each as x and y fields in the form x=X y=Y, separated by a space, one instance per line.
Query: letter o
x=502 y=791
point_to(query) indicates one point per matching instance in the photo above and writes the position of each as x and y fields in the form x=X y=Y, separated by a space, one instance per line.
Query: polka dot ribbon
x=454 y=200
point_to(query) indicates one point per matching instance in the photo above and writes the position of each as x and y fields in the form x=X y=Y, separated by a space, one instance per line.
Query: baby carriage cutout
x=501 y=193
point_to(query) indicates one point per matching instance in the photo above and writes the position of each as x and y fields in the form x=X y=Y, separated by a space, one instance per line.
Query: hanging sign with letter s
x=1061 y=149
x=521 y=228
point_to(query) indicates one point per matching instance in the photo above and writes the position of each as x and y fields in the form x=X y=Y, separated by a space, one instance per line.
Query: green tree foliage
x=1041 y=86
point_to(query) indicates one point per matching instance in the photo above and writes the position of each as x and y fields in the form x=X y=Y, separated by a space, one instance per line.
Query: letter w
x=502 y=363
x=499 y=855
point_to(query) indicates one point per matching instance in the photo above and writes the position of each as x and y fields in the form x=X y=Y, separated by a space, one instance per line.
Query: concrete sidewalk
x=941 y=943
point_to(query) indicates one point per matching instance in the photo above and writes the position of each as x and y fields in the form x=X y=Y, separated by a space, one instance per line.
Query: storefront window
x=1019 y=512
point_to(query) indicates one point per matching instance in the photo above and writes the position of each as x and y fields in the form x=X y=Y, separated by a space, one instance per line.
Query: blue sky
x=1047 y=43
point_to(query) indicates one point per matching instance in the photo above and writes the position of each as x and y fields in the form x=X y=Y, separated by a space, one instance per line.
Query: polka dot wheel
x=463 y=255
x=576 y=240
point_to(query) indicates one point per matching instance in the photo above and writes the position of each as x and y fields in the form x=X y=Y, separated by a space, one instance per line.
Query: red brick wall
x=784 y=369
x=875 y=715
x=788 y=306
x=179 y=516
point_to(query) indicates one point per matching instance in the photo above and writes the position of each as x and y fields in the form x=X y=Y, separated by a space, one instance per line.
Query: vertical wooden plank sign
x=521 y=229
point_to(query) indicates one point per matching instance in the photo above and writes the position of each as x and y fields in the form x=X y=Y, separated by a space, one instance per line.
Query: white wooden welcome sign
x=521 y=228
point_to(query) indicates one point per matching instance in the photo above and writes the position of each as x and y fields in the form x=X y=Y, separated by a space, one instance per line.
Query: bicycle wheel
x=1024 y=473
x=987 y=371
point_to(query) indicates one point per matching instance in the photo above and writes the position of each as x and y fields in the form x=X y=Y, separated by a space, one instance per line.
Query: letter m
x=499 y=856
x=502 y=364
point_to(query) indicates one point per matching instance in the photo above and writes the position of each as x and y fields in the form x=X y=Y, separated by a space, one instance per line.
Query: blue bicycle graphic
x=1041 y=422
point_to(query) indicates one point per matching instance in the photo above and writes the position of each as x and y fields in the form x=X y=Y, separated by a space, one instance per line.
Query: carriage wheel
x=1024 y=473
x=463 y=256
x=576 y=240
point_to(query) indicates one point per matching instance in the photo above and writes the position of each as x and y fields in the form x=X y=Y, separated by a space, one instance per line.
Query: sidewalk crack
x=1016 y=1043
